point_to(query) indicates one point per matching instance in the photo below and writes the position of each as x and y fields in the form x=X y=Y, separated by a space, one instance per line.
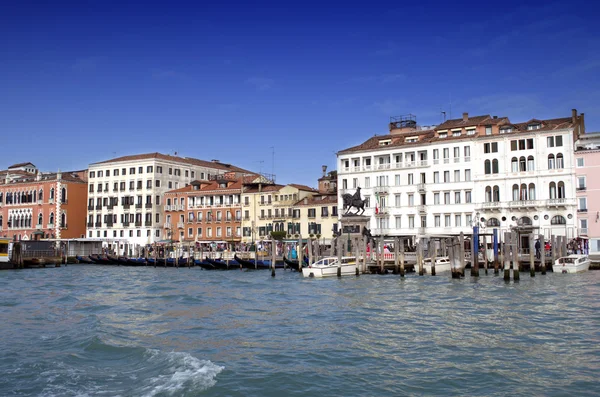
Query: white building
x=484 y=169
x=125 y=194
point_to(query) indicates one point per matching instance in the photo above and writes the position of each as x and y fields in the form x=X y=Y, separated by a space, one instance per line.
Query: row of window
x=206 y=200
x=525 y=192
x=209 y=232
x=199 y=217
x=382 y=201
x=126 y=219
x=25 y=221
x=121 y=233
x=140 y=170
x=30 y=196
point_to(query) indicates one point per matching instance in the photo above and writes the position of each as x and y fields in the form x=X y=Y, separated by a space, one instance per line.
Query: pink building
x=587 y=163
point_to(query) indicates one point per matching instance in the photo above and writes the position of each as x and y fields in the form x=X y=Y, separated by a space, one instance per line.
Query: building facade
x=483 y=170
x=587 y=168
x=125 y=194
x=205 y=211
x=36 y=205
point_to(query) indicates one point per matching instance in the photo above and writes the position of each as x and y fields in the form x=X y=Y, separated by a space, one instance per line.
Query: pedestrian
x=538 y=251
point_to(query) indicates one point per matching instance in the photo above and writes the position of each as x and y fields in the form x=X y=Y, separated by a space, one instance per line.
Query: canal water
x=86 y=330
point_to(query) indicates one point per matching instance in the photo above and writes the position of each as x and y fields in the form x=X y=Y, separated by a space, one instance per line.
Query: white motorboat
x=442 y=264
x=572 y=264
x=328 y=267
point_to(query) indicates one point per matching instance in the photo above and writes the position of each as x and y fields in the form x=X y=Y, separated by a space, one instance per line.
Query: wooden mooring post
x=554 y=251
x=356 y=242
x=433 y=255
x=497 y=252
x=273 y=257
x=396 y=255
x=516 y=260
x=531 y=255
x=506 y=255
x=485 y=255
x=461 y=250
x=420 y=256
x=402 y=257
x=340 y=248
x=364 y=251
x=543 y=256
x=474 y=255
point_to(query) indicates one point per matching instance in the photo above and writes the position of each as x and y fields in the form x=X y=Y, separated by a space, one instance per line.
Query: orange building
x=36 y=205
x=205 y=211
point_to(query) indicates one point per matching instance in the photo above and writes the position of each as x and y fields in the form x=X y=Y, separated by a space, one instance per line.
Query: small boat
x=442 y=264
x=573 y=263
x=328 y=267
x=204 y=264
x=123 y=260
x=30 y=263
x=252 y=263
x=83 y=259
x=113 y=259
x=161 y=262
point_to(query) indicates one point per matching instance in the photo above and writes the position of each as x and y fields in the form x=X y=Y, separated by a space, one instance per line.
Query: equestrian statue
x=353 y=201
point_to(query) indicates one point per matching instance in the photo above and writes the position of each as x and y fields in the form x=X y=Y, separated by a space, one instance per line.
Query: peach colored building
x=208 y=211
x=587 y=170
x=36 y=205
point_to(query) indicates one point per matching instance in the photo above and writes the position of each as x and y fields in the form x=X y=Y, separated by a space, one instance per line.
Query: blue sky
x=235 y=81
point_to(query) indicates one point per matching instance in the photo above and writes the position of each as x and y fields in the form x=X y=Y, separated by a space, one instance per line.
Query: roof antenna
x=444 y=116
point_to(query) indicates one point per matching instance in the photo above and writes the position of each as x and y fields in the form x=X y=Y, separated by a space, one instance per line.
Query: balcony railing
x=98 y=224
x=560 y=202
x=167 y=225
x=99 y=206
x=581 y=188
x=138 y=223
x=89 y=224
x=422 y=208
x=180 y=225
x=148 y=205
x=582 y=210
x=422 y=230
x=90 y=207
x=381 y=189
x=523 y=203
x=148 y=223
x=126 y=223
x=421 y=187
x=138 y=206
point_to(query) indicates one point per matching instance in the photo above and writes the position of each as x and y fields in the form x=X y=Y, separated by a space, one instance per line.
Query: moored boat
x=252 y=264
x=83 y=259
x=222 y=265
x=328 y=267
x=442 y=264
x=573 y=263
x=136 y=261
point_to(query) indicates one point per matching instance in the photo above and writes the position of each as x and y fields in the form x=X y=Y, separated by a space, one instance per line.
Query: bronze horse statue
x=353 y=201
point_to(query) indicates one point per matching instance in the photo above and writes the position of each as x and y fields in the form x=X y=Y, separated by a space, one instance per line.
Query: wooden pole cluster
x=474 y=256
x=402 y=257
x=532 y=255
x=515 y=249
x=433 y=254
x=273 y=258
x=506 y=255
x=340 y=247
x=543 y=258
x=356 y=241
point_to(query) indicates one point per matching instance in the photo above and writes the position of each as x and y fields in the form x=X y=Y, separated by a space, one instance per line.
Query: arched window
x=63 y=220
x=523 y=193
x=561 y=190
x=552 y=190
x=560 y=161
x=52 y=194
x=492 y=222
x=488 y=194
x=496 y=193
x=558 y=220
x=530 y=164
x=51 y=219
x=495 y=168
x=168 y=201
x=63 y=198
x=551 y=163
x=522 y=164
x=40 y=219
x=524 y=221
x=488 y=168
x=515 y=192
x=532 y=191
x=514 y=163
x=41 y=195
x=0 y=220
x=34 y=196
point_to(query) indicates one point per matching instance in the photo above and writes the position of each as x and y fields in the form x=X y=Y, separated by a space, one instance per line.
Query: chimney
x=495 y=117
x=324 y=168
x=465 y=116
x=582 y=123
x=574 y=115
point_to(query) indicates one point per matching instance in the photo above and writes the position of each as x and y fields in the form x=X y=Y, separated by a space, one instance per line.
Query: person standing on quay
x=538 y=253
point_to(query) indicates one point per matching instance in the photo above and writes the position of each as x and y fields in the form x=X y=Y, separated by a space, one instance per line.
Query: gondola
x=136 y=262
x=295 y=265
x=83 y=259
x=251 y=264
x=221 y=265
x=161 y=262
x=204 y=264
x=123 y=260
x=113 y=259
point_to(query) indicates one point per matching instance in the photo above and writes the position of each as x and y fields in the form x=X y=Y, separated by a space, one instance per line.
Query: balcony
x=384 y=166
x=39 y=227
x=138 y=223
x=148 y=223
x=457 y=159
x=381 y=189
x=582 y=210
x=99 y=206
x=64 y=226
x=467 y=159
x=126 y=224
x=246 y=218
x=583 y=231
x=98 y=224
x=110 y=224
x=180 y=225
x=90 y=207
x=167 y=225
x=126 y=206
x=581 y=188
x=167 y=208
x=421 y=187
x=446 y=161
x=89 y=224
x=138 y=206
x=148 y=205
x=523 y=204
x=422 y=209
x=110 y=207
x=560 y=202
x=422 y=230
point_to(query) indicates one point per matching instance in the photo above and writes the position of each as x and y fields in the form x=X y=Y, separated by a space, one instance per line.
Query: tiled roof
x=187 y=160
x=26 y=177
x=209 y=186
x=303 y=187
x=265 y=188
x=456 y=123
x=19 y=165
x=396 y=141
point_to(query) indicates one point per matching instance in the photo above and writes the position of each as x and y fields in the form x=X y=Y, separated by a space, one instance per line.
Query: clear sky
x=86 y=81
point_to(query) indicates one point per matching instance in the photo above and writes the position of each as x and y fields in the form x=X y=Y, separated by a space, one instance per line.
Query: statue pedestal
x=352 y=227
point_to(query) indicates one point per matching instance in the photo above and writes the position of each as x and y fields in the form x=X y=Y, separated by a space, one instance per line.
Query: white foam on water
x=185 y=373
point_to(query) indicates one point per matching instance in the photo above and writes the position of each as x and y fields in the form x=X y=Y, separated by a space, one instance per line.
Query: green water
x=123 y=331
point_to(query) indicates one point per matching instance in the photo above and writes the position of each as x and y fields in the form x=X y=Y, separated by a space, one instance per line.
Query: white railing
x=436 y=161
x=523 y=203
x=180 y=225
x=367 y=168
x=50 y=226
x=446 y=161
x=457 y=159
x=167 y=225
x=423 y=163
x=467 y=159
x=384 y=166
x=398 y=165
x=421 y=187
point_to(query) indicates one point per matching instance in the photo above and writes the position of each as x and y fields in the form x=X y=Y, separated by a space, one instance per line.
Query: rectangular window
x=530 y=143
x=581 y=183
x=410 y=179
x=447 y=198
x=436 y=198
x=513 y=145
x=437 y=221
x=411 y=200
x=494 y=147
x=468 y=219
x=367 y=182
x=558 y=140
x=397 y=200
x=468 y=175
x=446 y=176
x=468 y=196
x=447 y=220
x=457 y=197
x=446 y=153
x=550 y=141
x=457 y=220
x=582 y=204
x=488 y=130
x=580 y=162
x=132 y=171
x=397 y=180
x=436 y=177
x=456 y=175
x=411 y=221
x=398 y=220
